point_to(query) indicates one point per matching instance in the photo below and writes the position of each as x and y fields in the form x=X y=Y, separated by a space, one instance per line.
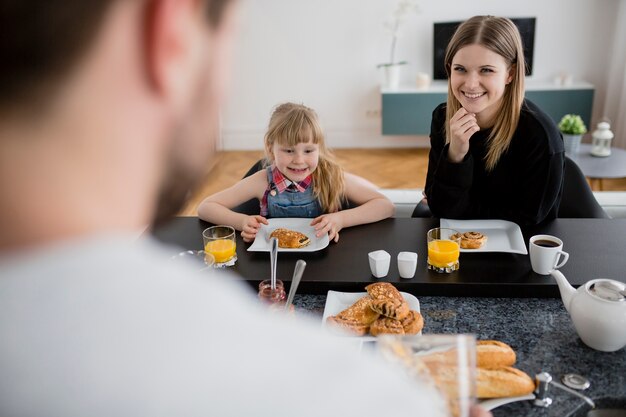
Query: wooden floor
x=387 y=168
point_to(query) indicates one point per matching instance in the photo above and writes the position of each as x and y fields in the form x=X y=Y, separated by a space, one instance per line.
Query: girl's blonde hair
x=500 y=35
x=291 y=124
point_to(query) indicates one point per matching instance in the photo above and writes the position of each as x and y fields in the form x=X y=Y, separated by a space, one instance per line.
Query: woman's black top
x=524 y=187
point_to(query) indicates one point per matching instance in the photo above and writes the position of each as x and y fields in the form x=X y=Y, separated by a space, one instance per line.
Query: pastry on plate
x=357 y=318
x=382 y=311
x=390 y=307
x=350 y=326
x=386 y=325
x=412 y=323
x=383 y=290
x=471 y=240
x=290 y=239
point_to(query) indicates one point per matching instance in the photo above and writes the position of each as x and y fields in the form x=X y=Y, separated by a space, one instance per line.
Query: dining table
x=596 y=247
x=494 y=295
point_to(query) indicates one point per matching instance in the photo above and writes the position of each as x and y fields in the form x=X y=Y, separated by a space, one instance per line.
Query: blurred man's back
x=109 y=107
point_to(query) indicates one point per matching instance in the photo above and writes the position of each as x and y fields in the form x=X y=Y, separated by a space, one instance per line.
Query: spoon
x=295 y=281
x=273 y=256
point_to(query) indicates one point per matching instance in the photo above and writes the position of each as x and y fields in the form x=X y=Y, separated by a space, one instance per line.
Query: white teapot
x=598 y=311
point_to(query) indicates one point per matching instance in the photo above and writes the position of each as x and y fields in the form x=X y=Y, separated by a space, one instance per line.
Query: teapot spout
x=566 y=290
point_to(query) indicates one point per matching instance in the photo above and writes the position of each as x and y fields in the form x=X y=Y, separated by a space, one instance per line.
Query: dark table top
x=596 y=248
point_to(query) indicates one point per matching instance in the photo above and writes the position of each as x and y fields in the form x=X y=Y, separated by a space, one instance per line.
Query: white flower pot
x=571 y=144
x=391 y=77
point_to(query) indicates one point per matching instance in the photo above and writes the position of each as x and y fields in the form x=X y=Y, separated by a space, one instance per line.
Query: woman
x=493 y=153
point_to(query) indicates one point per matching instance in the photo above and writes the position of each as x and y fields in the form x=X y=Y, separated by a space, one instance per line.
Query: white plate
x=502 y=235
x=337 y=301
x=492 y=403
x=262 y=241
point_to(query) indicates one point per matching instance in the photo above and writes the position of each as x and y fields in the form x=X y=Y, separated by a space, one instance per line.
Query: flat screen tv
x=443 y=32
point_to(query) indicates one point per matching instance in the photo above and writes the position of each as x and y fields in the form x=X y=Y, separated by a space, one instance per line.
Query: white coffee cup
x=407 y=263
x=546 y=253
x=379 y=263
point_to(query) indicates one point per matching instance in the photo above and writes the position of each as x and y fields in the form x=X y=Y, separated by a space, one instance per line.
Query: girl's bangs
x=297 y=130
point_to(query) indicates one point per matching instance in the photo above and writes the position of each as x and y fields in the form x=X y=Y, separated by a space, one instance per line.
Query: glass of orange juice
x=443 y=249
x=219 y=241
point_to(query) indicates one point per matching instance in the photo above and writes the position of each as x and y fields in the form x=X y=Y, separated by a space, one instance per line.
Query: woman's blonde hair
x=291 y=124
x=500 y=35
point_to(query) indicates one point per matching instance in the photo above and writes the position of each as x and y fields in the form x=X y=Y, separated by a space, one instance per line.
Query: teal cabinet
x=408 y=112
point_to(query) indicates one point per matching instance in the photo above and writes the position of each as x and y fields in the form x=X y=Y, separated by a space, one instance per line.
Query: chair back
x=577 y=200
x=422 y=210
x=252 y=206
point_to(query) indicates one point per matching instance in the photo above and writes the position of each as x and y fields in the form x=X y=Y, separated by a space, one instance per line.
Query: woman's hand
x=328 y=223
x=250 y=227
x=462 y=126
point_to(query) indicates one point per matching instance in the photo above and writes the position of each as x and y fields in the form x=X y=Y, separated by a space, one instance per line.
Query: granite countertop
x=543 y=336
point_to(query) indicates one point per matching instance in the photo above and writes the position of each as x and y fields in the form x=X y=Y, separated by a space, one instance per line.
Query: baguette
x=493 y=354
x=501 y=382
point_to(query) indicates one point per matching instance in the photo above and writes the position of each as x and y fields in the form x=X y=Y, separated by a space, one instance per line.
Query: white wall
x=323 y=53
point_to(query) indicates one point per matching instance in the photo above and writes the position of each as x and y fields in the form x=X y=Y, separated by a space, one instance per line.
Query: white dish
x=502 y=235
x=492 y=403
x=337 y=301
x=262 y=241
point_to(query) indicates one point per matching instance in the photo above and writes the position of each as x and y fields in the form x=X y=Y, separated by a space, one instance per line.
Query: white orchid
x=400 y=14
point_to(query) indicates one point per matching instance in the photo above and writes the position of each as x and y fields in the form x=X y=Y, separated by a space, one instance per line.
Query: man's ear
x=170 y=46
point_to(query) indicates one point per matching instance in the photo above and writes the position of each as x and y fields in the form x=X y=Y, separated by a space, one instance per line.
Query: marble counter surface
x=542 y=334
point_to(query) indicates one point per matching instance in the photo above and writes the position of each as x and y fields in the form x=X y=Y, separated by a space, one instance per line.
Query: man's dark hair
x=40 y=42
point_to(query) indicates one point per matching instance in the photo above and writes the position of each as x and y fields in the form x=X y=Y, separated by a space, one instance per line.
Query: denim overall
x=291 y=203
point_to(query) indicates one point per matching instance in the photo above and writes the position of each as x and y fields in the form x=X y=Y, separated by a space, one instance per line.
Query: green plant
x=572 y=124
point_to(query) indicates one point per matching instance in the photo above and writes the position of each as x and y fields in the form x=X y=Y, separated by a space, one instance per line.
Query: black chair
x=251 y=207
x=578 y=201
x=258 y=165
x=422 y=210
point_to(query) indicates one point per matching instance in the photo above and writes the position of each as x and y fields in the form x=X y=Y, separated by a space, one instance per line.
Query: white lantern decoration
x=601 y=142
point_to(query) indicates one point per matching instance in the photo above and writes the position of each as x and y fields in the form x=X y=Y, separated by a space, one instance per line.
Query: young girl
x=493 y=153
x=301 y=179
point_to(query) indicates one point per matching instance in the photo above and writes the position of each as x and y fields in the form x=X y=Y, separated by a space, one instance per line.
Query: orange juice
x=222 y=249
x=442 y=253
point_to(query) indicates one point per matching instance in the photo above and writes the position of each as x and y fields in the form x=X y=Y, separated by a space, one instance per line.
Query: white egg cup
x=379 y=263
x=407 y=264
